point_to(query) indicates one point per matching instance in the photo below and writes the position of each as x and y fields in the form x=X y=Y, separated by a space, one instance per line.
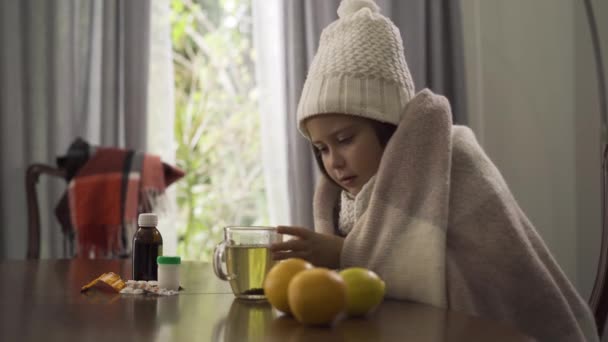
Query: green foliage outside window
x=217 y=122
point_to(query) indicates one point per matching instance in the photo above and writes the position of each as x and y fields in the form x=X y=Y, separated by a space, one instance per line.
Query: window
x=217 y=122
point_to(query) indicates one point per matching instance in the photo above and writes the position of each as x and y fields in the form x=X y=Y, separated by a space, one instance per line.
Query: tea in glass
x=246 y=252
x=247 y=267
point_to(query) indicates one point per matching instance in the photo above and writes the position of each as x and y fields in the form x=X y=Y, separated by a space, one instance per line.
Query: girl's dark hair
x=384 y=132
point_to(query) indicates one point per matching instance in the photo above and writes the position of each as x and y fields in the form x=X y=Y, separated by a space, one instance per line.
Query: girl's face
x=348 y=146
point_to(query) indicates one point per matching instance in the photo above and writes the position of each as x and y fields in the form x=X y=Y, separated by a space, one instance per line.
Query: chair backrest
x=599 y=296
x=33 y=212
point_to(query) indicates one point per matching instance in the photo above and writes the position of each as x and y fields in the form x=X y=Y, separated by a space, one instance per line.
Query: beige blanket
x=442 y=228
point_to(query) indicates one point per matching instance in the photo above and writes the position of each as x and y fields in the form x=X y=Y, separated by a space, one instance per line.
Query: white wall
x=532 y=96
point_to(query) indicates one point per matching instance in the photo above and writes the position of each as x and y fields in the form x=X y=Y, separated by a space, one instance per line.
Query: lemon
x=364 y=290
x=317 y=296
x=278 y=278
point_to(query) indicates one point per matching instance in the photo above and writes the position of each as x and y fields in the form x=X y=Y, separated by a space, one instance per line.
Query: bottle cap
x=168 y=260
x=147 y=220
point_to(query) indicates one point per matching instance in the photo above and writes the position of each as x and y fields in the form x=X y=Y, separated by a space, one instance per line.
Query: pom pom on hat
x=348 y=7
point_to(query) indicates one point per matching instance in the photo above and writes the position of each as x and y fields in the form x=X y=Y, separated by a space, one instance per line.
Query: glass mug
x=246 y=252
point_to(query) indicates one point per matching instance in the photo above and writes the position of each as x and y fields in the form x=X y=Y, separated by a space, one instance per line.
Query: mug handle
x=218 y=255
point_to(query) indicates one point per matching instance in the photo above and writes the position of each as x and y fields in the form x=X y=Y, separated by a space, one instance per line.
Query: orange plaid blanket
x=107 y=193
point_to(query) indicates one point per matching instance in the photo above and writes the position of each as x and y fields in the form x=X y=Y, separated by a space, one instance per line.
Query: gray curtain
x=304 y=21
x=68 y=68
x=432 y=36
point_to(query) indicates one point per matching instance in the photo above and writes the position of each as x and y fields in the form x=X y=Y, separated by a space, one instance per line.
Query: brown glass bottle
x=147 y=245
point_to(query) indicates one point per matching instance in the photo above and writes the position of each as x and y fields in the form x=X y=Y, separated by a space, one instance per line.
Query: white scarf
x=352 y=207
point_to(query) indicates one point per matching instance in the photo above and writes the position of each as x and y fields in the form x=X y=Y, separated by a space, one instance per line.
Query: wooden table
x=41 y=301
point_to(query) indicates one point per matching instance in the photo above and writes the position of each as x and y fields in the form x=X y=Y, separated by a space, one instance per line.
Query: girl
x=413 y=197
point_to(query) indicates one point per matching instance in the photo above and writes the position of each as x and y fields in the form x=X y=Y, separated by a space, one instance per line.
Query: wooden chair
x=31 y=180
x=599 y=296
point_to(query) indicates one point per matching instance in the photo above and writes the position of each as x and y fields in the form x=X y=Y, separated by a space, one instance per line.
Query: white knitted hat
x=359 y=68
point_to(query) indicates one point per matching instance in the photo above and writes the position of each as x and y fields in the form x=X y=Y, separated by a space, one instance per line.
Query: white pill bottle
x=168 y=272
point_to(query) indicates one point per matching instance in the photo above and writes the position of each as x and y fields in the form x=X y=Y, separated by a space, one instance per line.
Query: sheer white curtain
x=161 y=110
x=268 y=37
x=68 y=68
x=281 y=70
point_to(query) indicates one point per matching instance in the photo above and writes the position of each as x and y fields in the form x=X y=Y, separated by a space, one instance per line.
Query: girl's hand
x=321 y=250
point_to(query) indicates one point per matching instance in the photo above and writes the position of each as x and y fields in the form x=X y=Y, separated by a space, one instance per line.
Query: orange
x=364 y=290
x=317 y=296
x=278 y=278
